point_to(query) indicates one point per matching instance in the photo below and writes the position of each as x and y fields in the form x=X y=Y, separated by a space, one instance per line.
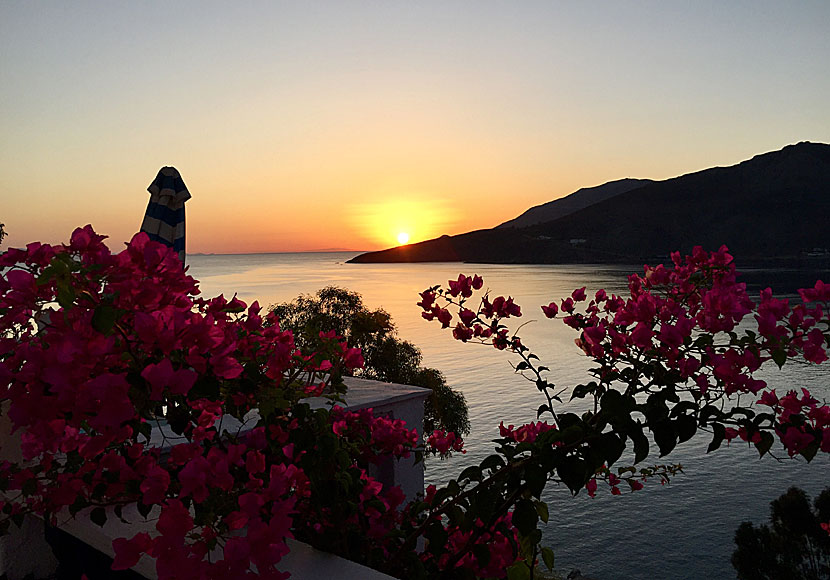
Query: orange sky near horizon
x=301 y=127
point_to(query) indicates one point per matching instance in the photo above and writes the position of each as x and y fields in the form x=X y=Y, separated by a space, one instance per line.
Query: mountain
x=553 y=210
x=773 y=207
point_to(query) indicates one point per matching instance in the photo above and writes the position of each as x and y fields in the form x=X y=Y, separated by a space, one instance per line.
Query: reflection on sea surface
x=683 y=530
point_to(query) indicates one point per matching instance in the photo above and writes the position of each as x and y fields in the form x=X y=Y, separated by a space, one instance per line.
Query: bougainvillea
x=105 y=358
x=127 y=387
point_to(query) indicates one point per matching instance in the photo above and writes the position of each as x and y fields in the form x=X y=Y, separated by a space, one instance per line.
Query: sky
x=301 y=126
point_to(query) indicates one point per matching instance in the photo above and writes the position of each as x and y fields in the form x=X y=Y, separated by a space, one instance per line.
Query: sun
x=403 y=238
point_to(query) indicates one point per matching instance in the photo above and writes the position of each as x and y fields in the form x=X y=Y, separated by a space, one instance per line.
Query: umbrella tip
x=169 y=171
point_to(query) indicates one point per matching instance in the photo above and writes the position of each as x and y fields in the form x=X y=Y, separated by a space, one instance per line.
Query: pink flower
x=467 y=316
x=250 y=503
x=154 y=485
x=427 y=300
x=353 y=358
x=504 y=307
x=820 y=291
x=463 y=286
x=591 y=486
x=443 y=315
x=128 y=552
x=796 y=440
x=550 y=310
x=162 y=375
x=444 y=442
x=194 y=478
x=641 y=336
x=462 y=333
x=769 y=398
x=255 y=462
x=226 y=367
x=175 y=520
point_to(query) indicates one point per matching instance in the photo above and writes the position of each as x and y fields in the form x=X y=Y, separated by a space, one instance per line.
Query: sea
x=684 y=529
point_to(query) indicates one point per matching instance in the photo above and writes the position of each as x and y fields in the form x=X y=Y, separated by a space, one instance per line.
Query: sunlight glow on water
x=683 y=530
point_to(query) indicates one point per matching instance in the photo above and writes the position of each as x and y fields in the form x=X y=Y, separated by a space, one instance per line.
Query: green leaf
x=473 y=473
x=686 y=426
x=178 y=418
x=573 y=434
x=580 y=391
x=518 y=571
x=708 y=412
x=665 y=437
x=682 y=407
x=493 y=463
x=810 y=451
x=482 y=554
x=719 y=433
x=549 y=437
x=65 y=294
x=611 y=447
x=525 y=516
x=572 y=471
x=98 y=516
x=615 y=403
x=436 y=534
x=542 y=510
x=103 y=319
x=780 y=357
x=441 y=495
x=547 y=557
x=765 y=444
x=76 y=506
x=536 y=478
x=568 y=419
x=543 y=409
x=29 y=487
x=640 y=443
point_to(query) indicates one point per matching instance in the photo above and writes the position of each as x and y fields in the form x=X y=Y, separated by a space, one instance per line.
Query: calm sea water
x=682 y=530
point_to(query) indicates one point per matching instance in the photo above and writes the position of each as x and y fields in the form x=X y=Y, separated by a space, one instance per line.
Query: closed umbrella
x=164 y=218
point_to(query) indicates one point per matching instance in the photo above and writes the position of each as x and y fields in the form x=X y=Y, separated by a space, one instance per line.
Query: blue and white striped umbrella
x=164 y=218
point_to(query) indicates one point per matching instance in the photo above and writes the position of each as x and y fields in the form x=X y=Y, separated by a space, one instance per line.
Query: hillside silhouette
x=773 y=208
x=558 y=208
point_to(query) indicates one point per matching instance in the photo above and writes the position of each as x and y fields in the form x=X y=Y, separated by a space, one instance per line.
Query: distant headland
x=773 y=209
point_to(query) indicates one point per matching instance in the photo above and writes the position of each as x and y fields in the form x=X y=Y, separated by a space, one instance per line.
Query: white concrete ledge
x=303 y=561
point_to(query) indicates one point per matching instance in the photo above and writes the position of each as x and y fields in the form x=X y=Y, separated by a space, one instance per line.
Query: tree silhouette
x=388 y=358
x=792 y=546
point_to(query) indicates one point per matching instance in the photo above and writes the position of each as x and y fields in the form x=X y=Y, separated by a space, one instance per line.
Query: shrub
x=387 y=357
x=794 y=545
